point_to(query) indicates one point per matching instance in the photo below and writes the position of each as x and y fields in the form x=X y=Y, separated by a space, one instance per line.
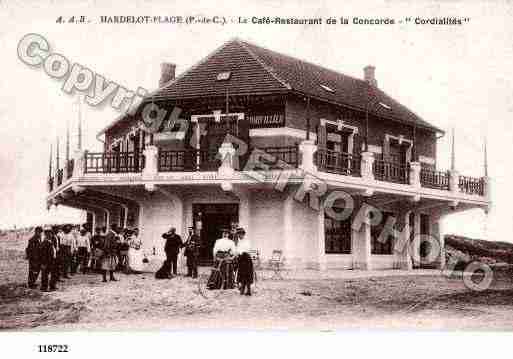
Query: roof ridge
x=267 y=68
x=304 y=61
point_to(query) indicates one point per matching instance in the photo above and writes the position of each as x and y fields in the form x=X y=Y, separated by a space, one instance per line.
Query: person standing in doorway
x=33 y=254
x=172 y=248
x=192 y=248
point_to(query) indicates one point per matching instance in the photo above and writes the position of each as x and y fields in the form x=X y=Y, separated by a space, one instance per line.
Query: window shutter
x=386 y=149
x=321 y=136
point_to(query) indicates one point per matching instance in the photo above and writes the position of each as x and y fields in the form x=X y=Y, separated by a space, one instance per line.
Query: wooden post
x=453 y=156
x=485 y=157
x=79 y=140
x=308 y=118
x=67 y=142
x=50 y=163
x=57 y=155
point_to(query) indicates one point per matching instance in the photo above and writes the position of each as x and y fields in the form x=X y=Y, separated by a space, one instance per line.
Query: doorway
x=210 y=219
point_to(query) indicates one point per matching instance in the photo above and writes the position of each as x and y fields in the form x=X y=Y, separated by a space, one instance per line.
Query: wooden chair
x=255 y=257
x=276 y=263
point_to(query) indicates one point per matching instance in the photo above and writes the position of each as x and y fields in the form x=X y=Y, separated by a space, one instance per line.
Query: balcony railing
x=114 y=162
x=188 y=161
x=279 y=158
x=391 y=172
x=286 y=154
x=434 y=179
x=338 y=162
x=471 y=185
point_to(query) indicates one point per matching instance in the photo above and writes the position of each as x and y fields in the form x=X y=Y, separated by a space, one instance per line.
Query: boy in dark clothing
x=172 y=248
x=32 y=253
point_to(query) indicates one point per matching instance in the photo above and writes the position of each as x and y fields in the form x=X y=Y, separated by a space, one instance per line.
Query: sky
x=452 y=76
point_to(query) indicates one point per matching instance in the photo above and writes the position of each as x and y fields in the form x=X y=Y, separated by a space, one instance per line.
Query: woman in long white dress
x=135 y=253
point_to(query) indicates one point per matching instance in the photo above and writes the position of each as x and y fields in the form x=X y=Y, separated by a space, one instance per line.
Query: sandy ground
x=302 y=300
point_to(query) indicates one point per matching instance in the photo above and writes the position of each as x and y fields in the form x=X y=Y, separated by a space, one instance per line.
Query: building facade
x=317 y=164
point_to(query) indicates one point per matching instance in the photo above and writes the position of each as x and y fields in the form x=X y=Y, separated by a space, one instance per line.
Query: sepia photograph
x=255 y=166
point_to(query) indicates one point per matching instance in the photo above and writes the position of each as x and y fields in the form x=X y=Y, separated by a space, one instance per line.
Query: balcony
x=434 y=179
x=391 y=172
x=338 y=162
x=188 y=161
x=164 y=163
x=114 y=162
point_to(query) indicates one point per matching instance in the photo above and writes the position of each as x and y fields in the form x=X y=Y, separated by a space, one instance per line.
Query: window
x=223 y=76
x=337 y=235
x=385 y=245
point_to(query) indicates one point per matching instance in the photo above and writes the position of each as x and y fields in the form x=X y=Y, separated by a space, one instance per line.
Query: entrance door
x=211 y=218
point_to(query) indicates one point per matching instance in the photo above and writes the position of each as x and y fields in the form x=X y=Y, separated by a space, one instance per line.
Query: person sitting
x=245 y=263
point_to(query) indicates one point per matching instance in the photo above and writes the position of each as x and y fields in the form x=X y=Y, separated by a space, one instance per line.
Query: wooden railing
x=188 y=161
x=114 y=162
x=279 y=157
x=338 y=162
x=471 y=185
x=70 y=165
x=287 y=154
x=434 y=179
x=391 y=172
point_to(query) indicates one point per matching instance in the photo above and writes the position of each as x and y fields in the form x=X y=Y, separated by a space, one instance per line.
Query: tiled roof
x=256 y=70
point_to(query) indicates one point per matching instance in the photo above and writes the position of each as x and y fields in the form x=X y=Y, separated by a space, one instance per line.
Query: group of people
x=61 y=251
x=58 y=252
x=232 y=259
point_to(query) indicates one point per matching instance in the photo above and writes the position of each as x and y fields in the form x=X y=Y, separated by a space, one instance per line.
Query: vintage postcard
x=255 y=165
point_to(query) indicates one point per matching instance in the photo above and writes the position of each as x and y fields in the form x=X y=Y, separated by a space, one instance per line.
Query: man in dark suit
x=48 y=258
x=32 y=253
x=172 y=248
x=192 y=249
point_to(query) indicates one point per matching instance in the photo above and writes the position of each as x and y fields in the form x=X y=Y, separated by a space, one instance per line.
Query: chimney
x=369 y=75
x=167 y=73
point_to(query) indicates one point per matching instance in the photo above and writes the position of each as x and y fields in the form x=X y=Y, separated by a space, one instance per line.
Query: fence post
x=150 y=170
x=366 y=166
x=454 y=178
x=308 y=149
x=415 y=169
x=79 y=164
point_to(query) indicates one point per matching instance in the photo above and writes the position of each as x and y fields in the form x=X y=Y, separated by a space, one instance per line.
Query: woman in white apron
x=135 y=252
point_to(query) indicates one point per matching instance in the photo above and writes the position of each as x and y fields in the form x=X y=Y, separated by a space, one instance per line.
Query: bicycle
x=220 y=278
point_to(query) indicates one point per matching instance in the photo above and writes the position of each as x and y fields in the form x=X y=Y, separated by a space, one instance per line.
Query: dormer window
x=327 y=88
x=224 y=76
x=385 y=106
